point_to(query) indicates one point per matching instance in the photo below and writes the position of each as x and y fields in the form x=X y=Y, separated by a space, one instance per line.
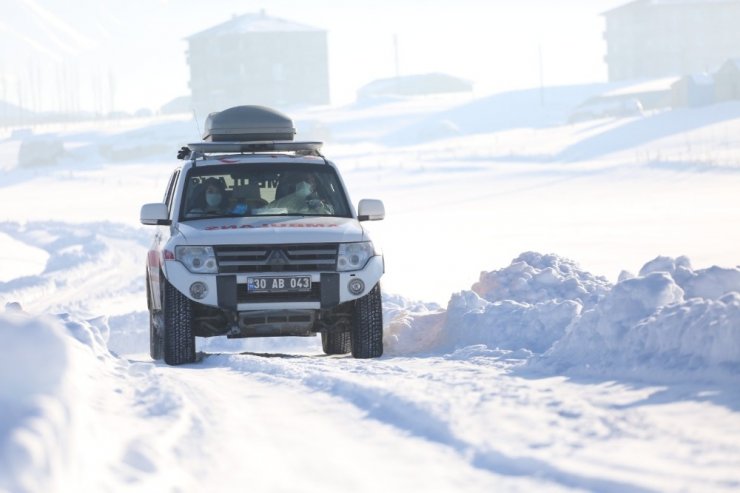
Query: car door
x=154 y=255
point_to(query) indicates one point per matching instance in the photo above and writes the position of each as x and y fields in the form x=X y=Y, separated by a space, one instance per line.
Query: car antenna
x=197 y=125
x=185 y=152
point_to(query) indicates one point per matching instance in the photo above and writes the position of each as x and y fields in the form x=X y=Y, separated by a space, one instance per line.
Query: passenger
x=210 y=199
x=245 y=198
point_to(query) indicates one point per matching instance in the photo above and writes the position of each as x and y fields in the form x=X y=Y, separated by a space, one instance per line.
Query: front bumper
x=229 y=291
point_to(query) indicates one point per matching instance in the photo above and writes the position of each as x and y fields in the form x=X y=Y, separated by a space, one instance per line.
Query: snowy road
x=470 y=421
x=274 y=426
x=292 y=419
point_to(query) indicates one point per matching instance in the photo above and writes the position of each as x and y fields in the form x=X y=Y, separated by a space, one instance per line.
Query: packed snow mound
x=536 y=278
x=527 y=305
x=410 y=326
x=395 y=306
x=41 y=357
x=507 y=324
x=46 y=362
x=693 y=334
x=669 y=317
x=711 y=283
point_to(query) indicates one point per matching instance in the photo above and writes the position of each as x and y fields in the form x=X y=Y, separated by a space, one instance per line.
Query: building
x=658 y=38
x=693 y=90
x=257 y=59
x=727 y=81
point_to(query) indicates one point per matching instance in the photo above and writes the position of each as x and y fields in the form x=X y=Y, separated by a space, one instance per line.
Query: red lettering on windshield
x=270 y=225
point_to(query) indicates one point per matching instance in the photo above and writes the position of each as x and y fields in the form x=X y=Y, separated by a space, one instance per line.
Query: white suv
x=256 y=237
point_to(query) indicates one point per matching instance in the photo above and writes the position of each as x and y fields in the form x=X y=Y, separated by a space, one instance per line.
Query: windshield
x=263 y=190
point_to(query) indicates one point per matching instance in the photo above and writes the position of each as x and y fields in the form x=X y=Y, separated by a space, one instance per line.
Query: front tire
x=366 y=336
x=179 y=341
x=335 y=342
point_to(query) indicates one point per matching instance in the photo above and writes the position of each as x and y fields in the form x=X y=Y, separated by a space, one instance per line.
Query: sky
x=105 y=55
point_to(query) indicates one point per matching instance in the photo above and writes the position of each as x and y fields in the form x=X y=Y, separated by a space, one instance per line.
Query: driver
x=305 y=198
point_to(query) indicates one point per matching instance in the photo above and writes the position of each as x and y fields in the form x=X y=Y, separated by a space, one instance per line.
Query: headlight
x=197 y=259
x=354 y=256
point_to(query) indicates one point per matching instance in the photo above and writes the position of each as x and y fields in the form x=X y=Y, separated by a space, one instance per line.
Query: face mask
x=213 y=199
x=303 y=189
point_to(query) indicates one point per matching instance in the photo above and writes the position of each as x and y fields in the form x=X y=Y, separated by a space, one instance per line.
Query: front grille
x=242 y=296
x=240 y=259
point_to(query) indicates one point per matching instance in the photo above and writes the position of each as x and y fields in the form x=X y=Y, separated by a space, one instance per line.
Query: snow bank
x=46 y=362
x=507 y=324
x=20 y=259
x=709 y=283
x=669 y=317
x=527 y=305
x=534 y=278
x=410 y=326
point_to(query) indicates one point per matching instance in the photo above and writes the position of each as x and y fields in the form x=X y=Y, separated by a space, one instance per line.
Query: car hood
x=271 y=230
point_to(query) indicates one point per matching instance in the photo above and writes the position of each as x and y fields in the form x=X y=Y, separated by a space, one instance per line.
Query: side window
x=169 y=194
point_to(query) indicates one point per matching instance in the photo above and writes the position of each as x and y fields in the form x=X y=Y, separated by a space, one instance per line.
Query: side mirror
x=370 y=210
x=155 y=214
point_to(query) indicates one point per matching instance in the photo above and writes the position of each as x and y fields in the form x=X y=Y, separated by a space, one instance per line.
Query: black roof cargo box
x=248 y=124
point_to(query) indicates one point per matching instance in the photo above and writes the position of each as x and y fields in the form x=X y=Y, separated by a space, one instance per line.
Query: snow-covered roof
x=732 y=61
x=662 y=84
x=254 y=23
x=688 y=2
x=431 y=83
x=664 y=3
x=700 y=79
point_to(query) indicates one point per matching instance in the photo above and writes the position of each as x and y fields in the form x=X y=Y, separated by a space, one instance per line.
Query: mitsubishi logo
x=277 y=257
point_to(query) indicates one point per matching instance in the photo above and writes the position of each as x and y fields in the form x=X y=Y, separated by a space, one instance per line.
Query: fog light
x=198 y=290
x=356 y=286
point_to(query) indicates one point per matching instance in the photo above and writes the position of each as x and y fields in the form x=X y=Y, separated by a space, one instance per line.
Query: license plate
x=287 y=284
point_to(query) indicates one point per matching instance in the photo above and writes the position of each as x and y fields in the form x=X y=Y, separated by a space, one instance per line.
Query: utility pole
x=395 y=56
x=542 y=75
x=111 y=91
x=4 y=100
x=21 y=109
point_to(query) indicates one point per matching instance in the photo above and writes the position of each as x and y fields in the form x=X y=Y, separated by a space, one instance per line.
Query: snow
x=649 y=85
x=561 y=311
x=652 y=322
x=47 y=359
x=669 y=318
x=259 y=22
x=19 y=259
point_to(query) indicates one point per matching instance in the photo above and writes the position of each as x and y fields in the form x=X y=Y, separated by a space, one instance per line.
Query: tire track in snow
x=269 y=432
x=93 y=268
x=364 y=385
x=157 y=420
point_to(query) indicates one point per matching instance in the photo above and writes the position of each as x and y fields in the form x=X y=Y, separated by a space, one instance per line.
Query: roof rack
x=197 y=149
